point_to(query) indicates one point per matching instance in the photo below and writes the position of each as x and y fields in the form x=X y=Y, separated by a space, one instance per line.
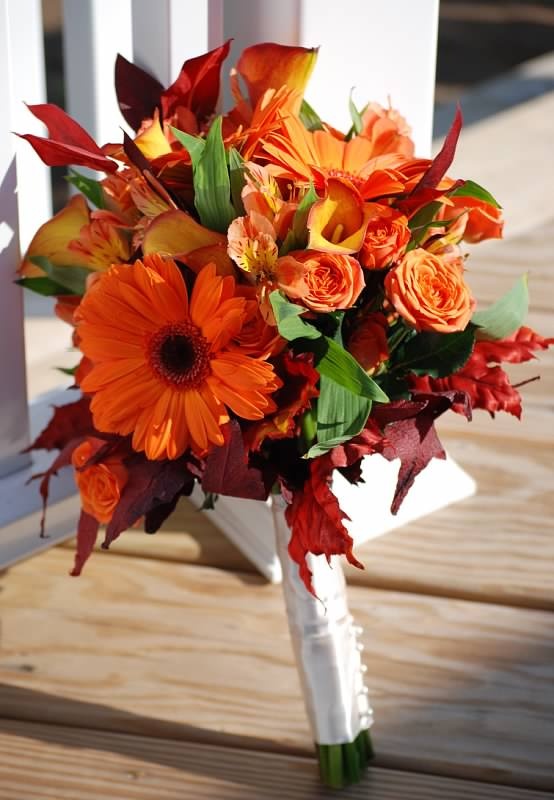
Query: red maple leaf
x=314 y=515
x=68 y=421
x=227 y=470
x=486 y=384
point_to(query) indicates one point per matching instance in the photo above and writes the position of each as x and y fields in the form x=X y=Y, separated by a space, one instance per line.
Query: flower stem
x=343 y=764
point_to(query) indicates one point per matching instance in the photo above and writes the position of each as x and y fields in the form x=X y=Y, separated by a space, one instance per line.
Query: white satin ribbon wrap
x=324 y=638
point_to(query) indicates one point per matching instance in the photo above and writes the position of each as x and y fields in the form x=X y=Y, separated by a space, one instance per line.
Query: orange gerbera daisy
x=166 y=370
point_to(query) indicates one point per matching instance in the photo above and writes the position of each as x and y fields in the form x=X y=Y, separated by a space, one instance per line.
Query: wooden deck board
x=460 y=689
x=47 y=761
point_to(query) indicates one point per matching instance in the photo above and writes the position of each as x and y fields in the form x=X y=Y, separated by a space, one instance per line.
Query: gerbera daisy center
x=179 y=355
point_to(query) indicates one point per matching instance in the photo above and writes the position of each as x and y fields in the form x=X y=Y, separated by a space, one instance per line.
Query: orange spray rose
x=429 y=293
x=100 y=485
x=326 y=282
x=386 y=238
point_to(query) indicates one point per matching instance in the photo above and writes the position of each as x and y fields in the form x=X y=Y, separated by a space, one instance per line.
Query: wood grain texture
x=184 y=652
x=46 y=761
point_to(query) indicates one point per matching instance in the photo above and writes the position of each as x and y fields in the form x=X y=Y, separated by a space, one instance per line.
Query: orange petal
x=52 y=239
x=178 y=234
x=270 y=66
x=152 y=142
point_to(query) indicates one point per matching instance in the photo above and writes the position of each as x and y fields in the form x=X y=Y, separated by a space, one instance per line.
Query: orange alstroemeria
x=52 y=239
x=338 y=222
x=262 y=195
x=75 y=236
x=175 y=233
x=103 y=242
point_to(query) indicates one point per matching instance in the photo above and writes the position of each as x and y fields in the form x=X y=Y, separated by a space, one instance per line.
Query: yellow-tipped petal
x=52 y=239
x=270 y=66
x=178 y=234
x=152 y=142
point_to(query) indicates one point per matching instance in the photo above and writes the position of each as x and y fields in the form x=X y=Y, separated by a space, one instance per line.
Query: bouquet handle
x=328 y=659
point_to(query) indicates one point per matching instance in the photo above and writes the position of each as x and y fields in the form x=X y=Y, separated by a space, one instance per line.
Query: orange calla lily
x=52 y=239
x=175 y=233
x=337 y=224
x=270 y=66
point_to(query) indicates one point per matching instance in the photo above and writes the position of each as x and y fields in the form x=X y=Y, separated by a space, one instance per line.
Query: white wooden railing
x=381 y=49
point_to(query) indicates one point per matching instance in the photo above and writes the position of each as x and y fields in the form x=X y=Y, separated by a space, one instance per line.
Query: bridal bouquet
x=259 y=300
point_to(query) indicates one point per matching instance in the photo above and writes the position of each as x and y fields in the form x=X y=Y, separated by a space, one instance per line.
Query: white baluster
x=24 y=205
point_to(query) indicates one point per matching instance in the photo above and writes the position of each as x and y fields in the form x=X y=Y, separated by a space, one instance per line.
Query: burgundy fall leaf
x=87 y=532
x=442 y=161
x=63 y=459
x=138 y=93
x=227 y=471
x=149 y=484
x=410 y=435
x=68 y=421
x=69 y=143
x=197 y=85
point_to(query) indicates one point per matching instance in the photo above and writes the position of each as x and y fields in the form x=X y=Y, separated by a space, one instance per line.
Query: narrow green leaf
x=72 y=278
x=68 y=370
x=297 y=237
x=336 y=363
x=472 y=189
x=289 y=323
x=506 y=315
x=355 y=115
x=43 y=286
x=236 y=179
x=436 y=354
x=212 y=188
x=340 y=416
x=194 y=145
x=310 y=118
x=90 y=188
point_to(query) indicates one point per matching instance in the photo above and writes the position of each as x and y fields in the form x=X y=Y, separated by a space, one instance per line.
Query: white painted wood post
x=168 y=32
x=24 y=205
x=381 y=50
x=95 y=31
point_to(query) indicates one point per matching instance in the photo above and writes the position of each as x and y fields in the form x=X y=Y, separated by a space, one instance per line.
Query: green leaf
x=236 y=179
x=44 y=286
x=336 y=363
x=297 y=237
x=287 y=316
x=90 y=188
x=194 y=145
x=355 y=115
x=212 y=188
x=72 y=278
x=340 y=416
x=68 y=370
x=309 y=118
x=506 y=315
x=472 y=189
x=436 y=354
